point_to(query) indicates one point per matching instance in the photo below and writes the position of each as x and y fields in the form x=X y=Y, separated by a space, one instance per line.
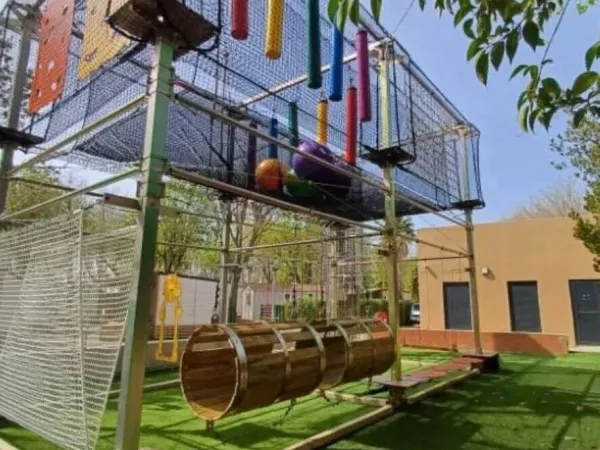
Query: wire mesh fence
x=64 y=290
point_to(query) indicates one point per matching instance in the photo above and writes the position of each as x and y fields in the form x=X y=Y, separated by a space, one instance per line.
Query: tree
x=580 y=148
x=496 y=29
x=180 y=232
x=560 y=200
x=23 y=194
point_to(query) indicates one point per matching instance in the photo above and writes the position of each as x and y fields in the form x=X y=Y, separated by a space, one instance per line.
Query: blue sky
x=514 y=165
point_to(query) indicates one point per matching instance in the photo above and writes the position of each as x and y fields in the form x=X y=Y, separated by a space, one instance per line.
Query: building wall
x=541 y=250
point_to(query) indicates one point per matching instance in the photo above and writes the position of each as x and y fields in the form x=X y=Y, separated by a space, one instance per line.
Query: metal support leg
x=335 y=278
x=391 y=246
x=136 y=333
x=473 y=281
x=225 y=263
x=14 y=113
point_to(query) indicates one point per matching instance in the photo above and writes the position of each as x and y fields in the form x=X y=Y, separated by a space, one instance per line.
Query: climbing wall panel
x=100 y=41
x=51 y=65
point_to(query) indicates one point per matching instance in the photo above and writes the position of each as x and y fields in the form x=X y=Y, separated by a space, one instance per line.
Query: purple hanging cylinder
x=364 y=82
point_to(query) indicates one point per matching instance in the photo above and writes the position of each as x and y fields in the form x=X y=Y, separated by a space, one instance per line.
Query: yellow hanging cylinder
x=322 y=112
x=274 y=38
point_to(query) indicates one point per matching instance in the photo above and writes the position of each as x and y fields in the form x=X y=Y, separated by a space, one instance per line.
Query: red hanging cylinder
x=351 y=126
x=239 y=19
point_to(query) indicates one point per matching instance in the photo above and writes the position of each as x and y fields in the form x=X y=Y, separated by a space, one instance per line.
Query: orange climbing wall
x=51 y=65
x=100 y=42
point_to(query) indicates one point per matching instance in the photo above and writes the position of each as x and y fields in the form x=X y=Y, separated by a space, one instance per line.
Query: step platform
x=488 y=362
x=22 y=139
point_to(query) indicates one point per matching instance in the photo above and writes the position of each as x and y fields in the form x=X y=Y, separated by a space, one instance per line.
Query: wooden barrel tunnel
x=229 y=369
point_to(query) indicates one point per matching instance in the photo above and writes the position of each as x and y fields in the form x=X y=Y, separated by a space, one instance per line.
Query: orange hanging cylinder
x=322 y=111
x=274 y=37
x=351 y=126
x=239 y=19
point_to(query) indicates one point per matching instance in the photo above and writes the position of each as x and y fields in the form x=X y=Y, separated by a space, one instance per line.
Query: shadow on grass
x=531 y=405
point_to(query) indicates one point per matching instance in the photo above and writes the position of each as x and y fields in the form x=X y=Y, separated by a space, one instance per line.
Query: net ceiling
x=237 y=74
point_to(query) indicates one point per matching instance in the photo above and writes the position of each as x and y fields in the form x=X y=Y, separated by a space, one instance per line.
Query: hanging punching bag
x=293 y=123
x=322 y=110
x=239 y=19
x=364 y=82
x=251 y=157
x=273 y=133
x=351 y=126
x=274 y=37
x=336 y=74
x=314 y=45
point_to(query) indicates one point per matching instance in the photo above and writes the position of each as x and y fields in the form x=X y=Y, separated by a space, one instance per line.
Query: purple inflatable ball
x=310 y=170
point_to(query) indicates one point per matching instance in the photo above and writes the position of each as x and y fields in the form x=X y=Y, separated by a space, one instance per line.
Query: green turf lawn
x=535 y=403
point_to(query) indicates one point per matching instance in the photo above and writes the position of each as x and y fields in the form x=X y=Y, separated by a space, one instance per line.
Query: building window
x=457 y=306
x=524 y=306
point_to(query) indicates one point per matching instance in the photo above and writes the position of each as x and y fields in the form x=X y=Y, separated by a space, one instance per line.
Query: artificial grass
x=534 y=403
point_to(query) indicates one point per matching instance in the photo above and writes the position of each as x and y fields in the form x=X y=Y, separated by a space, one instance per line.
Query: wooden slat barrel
x=229 y=369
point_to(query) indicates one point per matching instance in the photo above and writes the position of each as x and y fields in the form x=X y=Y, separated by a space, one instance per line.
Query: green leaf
x=497 y=54
x=422 y=4
x=523 y=116
x=355 y=12
x=531 y=119
x=342 y=15
x=520 y=68
x=546 y=118
x=461 y=14
x=512 y=43
x=531 y=33
x=583 y=82
x=332 y=9
x=522 y=99
x=468 y=29
x=591 y=55
x=473 y=49
x=551 y=86
x=375 y=9
x=578 y=117
x=482 y=67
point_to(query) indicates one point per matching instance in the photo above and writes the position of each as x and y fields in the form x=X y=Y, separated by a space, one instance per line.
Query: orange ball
x=271 y=175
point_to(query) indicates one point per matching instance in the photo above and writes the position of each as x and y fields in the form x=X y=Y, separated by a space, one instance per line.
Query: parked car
x=415 y=313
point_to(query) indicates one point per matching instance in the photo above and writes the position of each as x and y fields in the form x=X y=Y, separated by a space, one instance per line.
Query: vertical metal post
x=391 y=246
x=16 y=99
x=473 y=281
x=225 y=261
x=136 y=332
x=335 y=278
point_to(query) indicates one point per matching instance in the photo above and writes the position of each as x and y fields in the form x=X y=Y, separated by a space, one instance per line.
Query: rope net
x=64 y=290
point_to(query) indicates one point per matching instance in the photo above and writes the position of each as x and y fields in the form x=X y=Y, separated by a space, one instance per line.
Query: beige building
x=533 y=276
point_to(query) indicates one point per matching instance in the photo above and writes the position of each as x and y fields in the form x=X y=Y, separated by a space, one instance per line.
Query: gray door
x=585 y=298
x=524 y=306
x=457 y=306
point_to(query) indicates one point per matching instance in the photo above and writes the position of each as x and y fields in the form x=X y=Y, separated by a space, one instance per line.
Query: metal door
x=585 y=299
x=457 y=306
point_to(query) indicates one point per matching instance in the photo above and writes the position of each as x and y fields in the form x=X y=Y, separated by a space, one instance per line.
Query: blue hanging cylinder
x=315 y=79
x=336 y=74
x=273 y=133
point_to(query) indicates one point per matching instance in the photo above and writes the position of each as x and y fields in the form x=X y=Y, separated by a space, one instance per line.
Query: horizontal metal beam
x=304 y=242
x=226 y=187
x=281 y=144
x=68 y=195
x=192 y=246
x=302 y=78
x=49 y=152
x=58 y=187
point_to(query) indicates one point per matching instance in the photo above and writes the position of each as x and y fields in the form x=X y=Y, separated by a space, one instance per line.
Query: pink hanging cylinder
x=351 y=126
x=364 y=82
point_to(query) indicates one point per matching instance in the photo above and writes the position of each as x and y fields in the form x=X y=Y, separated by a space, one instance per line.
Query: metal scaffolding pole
x=473 y=282
x=138 y=314
x=224 y=260
x=16 y=100
x=337 y=237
